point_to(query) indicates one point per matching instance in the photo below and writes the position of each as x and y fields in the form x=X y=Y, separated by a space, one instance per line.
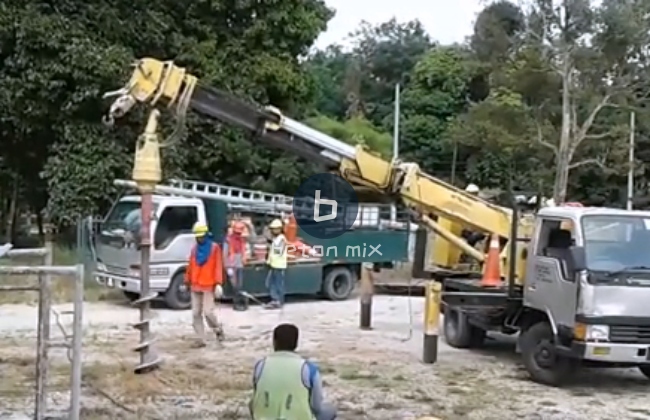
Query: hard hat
x=199 y=229
x=276 y=224
x=472 y=189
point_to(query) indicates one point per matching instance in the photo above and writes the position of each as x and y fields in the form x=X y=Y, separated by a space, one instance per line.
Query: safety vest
x=278 y=253
x=280 y=393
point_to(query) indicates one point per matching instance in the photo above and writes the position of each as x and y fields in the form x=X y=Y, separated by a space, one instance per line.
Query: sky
x=447 y=22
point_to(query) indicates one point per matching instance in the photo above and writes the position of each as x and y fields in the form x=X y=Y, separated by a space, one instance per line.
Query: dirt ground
x=369 y=374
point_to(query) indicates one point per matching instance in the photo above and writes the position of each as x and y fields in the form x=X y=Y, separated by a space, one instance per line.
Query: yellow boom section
x=426 y=194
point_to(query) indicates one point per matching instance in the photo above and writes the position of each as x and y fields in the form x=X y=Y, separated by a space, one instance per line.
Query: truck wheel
x=178 y=294
x=540 y=358
x=131 y=296
x=645 y=369
x=459 y=333
x=339 y=283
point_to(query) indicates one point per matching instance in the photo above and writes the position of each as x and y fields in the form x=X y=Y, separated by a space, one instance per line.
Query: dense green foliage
x=539 y=95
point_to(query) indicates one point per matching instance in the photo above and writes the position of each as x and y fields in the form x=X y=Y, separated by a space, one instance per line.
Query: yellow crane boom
x=158 y=83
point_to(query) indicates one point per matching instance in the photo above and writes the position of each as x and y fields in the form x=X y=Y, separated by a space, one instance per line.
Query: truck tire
x=540 y=358
x=177 y=295
x=131 y=296
x=645 y=369
x=339 y=283
x=459 y=333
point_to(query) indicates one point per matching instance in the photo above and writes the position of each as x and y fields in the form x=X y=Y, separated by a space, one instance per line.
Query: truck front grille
x=629 y=334
x=120 y=271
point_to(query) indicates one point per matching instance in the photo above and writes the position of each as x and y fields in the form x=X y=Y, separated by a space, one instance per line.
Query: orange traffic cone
x=492 y=267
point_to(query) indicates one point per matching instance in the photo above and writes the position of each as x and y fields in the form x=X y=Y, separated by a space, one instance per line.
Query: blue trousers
x=276 y=285
x=327 y=412
x=238 y=280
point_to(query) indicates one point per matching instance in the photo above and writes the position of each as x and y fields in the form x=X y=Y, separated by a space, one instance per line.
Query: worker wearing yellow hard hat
x=204 y=276
x=277 y=262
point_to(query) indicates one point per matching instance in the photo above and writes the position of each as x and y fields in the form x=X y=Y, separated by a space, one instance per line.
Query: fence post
x=365 y=298
x=77 y=337
x=43 y=337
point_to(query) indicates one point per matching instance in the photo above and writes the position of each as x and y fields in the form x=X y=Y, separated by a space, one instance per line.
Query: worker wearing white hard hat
x=277 y=262
x=204 y=276
x=472 y=189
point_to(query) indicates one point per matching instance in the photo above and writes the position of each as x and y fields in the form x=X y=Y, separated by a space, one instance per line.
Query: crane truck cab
x=331 y=267
x=581 y=298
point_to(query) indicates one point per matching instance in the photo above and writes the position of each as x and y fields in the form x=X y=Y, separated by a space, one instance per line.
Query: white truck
x=176 y=207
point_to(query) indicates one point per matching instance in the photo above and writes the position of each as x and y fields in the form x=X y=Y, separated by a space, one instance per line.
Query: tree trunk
x=563 y=156
x=10 y=227
x=561 y=176
x=39 y=222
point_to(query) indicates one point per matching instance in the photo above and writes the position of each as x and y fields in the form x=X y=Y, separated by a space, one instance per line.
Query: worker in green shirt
x=286 y=386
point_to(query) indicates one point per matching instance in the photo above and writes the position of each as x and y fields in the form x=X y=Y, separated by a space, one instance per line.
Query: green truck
x=332 y=271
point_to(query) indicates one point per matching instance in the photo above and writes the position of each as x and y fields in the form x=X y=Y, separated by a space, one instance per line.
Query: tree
x=356 y=130
x=58 y=60
x=436 y=93
x=327 y=70
x=386 y=54
x=567 y=71
x=598 y=52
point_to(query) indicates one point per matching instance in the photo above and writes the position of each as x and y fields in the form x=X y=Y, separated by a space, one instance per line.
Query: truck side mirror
x=579 y=258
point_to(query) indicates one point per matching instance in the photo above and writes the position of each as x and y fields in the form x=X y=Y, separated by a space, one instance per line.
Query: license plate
x=601 y=351
x=110 y=282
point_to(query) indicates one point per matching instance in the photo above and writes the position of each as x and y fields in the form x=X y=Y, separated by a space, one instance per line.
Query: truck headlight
x=101 y=267
x=134 y=273
x=597 y=333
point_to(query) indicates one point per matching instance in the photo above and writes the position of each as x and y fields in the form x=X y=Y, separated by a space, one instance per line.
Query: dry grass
x=62 y=287
x=108 y=375
x=18 y=375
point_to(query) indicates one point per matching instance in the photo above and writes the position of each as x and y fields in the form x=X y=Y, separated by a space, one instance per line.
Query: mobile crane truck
x=577 y=280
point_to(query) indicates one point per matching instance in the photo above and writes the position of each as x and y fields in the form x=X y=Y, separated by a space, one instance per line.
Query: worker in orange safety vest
x=235 y=251
x=204 y=276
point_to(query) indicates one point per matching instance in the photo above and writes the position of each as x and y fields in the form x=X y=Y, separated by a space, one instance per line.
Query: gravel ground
x=368 y=374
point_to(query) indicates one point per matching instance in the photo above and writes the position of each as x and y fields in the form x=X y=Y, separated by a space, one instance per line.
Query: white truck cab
x=118 y=259
x=583 y=298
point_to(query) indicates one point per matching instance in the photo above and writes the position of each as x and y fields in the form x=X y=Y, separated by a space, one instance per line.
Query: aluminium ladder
x=242 y=199
x=237 y=198
x=232 y=194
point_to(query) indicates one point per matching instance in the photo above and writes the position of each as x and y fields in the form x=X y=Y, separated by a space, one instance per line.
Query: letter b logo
x=325 y=202
x=325 y=206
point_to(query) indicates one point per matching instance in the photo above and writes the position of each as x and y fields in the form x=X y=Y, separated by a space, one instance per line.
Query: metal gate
x=43 y=342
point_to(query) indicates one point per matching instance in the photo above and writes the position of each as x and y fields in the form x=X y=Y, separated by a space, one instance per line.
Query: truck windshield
x=616 y=243
x=125 y=216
